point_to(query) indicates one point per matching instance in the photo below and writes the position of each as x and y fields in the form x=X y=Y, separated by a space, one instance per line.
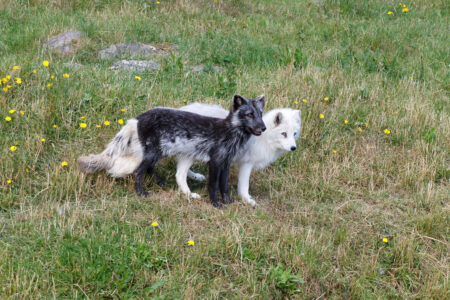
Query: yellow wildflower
x=55 y=126
x=411 y=78
x=191 y=243
x=359 y=129
x=98 y=126
x=123 y=110
x=405 y=9
x=389 y=12
x=34 y=71
x=387 y=131
x=27 y=170
x=346 y=122
x=16 y=68
x=5 y=89
x=385 y=240
x=334 y=151
x=326 y=98
x=11 y=111
x=295 y=102
x=50 y=84
x=9 y=181
x=8 y=77
x=120 y=121
x=16 y=143
x=321 y=116
x=65 y=75
x=13 y=148
x=155 y=224
x=64 y=164
x=45 y=63
x=305 y=101
x=8 y=119
x=37 y=177
x=22 y=112
x=83 y=125
x=367 y=124
x=184 y=100
x=43 y=140
x=157 y=2
x=137 y=77
x=52 y=77
x=106 y=123
x=18 y=80
x=83 y=117
x=404 y=5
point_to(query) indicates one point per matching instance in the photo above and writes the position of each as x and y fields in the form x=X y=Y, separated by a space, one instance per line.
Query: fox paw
x=194 y=196
x=249 y=200
x=198 y=177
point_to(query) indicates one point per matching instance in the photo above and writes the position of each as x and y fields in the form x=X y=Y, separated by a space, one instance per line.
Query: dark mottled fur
x=166 y=132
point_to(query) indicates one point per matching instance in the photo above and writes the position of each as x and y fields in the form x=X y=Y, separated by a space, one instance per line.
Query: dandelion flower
x=52 y=77
x=405 y=9
x=389 y=12
x=184 y=101
x=326 y=98
x=295 y=102
x=18 y=80
x=22 y=112
x=11 y=111
x=37 y=177
x=385 y=240
x=8 y=77
x=16 y=143
x=43 y=140
x=137 y=77
x=27 y=170
x=411 y=78
x=304 y=101
x=55 y=126
x=65 y=75
x=367 y=124
x=123 y=110
x=157 y=2
x=360 y=129
x=321 y=116
x=98 y=126
x=9 y=181
x=334 y=151
x=34 y=71
x=5 y=89
x=83 y=117
x=387 y=131
x=106 y=123
x=404 y=5
x=120 y=121
x=155 y=224
x=45 y=63
x=191 y=243
x=13 y=148
x=83 y=125
x=8 y=119
x=50 y=84
x=64 y=164
x=346 y=122
x=16 y=68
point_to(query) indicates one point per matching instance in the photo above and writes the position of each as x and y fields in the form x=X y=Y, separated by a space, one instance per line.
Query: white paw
x=194 y=196
x=248 y=200
x=199 y=177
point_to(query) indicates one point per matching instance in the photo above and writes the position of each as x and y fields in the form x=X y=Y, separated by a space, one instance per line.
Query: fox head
x=284 y=128
x=247 y=113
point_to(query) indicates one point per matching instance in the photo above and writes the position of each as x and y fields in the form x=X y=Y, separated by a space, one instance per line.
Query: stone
x=63 y=43
x=72 y=65
x=204 y=68
x=136 y=65
x=131 y=50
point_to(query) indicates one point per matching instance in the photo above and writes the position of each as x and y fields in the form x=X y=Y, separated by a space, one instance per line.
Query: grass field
x=324 y=209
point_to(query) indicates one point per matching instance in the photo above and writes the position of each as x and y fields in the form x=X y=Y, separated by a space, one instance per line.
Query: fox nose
x=264 y=128
x=293 y=148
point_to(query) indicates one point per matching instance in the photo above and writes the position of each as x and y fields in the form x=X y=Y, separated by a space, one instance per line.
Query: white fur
x=125 y=159
x=259 y=152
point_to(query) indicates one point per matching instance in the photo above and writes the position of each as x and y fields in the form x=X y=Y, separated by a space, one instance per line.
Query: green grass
x=322 y=216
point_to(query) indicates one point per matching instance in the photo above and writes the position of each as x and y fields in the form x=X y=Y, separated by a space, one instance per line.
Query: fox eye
x=250 y=115
x=295 y=133
x=284 y=134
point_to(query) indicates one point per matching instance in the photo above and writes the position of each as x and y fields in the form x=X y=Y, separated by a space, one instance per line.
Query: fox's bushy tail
x=121 y=157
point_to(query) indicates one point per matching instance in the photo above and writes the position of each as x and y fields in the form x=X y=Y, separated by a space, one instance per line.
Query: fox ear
x=238 y=100
x=262 y=100
x=278 y=119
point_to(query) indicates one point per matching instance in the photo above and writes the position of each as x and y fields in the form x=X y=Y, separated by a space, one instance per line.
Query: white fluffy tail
x=121 y=157
x=208 y=110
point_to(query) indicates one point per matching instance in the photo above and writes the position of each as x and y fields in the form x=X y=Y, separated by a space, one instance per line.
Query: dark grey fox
x=162 y=132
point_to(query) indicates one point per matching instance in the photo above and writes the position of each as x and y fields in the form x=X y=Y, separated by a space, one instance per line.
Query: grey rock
x=63 y=43
x=72 y=65
x=204 y=68
x=131 y=50
x=136 y=65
